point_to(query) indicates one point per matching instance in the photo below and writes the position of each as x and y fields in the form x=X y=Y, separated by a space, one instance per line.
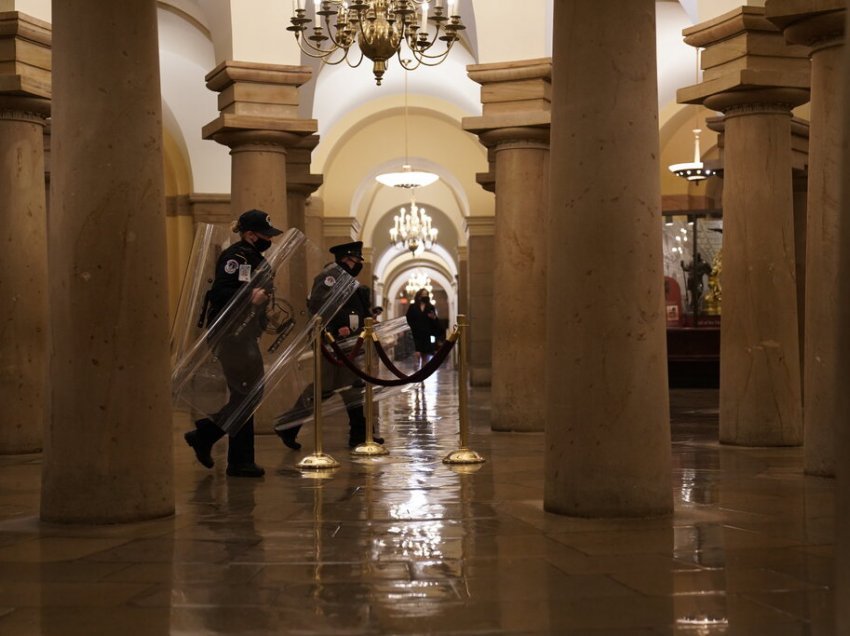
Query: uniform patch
x=231 y=266
x=330 y=281
x=245 y=273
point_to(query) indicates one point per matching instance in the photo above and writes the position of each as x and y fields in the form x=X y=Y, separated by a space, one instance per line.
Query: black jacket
x=352 y=314
x=239 y=265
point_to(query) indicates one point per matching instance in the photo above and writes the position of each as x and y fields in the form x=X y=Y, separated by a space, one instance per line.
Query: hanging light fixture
x=418 y=280
x=413 y=230
x=407 y=177
x=694 y=170
x=379 y=28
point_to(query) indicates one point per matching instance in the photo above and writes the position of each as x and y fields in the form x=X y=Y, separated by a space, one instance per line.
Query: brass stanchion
x=369 y=448
x=463 y=455
x=318 y=460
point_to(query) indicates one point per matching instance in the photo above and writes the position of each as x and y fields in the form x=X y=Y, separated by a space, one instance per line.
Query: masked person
x=238 y=349
x=422 y=318
x=348 y=321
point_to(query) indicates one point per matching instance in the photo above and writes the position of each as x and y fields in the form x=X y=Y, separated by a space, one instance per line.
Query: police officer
x=348 y=321
x=237 y=348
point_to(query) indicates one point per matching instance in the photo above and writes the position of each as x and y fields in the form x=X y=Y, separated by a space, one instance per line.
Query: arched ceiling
x=362 y=125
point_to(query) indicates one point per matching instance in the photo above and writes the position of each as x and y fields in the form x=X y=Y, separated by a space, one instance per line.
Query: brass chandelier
x=413 y=230
x=379 y=28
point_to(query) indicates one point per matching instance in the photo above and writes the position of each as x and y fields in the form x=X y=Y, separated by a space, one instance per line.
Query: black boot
x=240 y=453
x=201 y=441
x=245 y=470
x=357 y=428
x=288 y=437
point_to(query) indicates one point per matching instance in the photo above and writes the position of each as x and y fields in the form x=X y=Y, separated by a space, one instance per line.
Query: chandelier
x=694 y=170
x=418 y=280
x=413 y=229
x=379 y=28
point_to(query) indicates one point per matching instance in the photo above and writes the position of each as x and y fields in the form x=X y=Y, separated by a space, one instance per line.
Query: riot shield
x=341 y=388
x=188 y=324
x=236 y=361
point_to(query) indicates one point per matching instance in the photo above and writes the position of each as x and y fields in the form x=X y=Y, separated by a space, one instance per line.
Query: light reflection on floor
x=404 y=544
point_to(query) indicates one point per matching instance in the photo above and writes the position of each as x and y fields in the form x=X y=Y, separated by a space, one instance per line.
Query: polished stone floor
x=406 y=545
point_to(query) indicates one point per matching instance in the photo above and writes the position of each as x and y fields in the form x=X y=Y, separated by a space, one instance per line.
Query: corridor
x=406 y=545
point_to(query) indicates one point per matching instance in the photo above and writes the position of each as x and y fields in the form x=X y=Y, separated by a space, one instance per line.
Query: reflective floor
x=406 y=545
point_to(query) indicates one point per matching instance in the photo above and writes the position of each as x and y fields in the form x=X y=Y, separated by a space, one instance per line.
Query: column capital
x=480 y=225
x=298 y=159
x=746 y=61
x=33 y=110
x=25 y=55
x=513 y=94
x=258 y=97
x=335 y=226
x=515 y=137
x=248 y=140
x=813 y=23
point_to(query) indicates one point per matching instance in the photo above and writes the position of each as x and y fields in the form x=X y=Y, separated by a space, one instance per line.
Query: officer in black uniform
x=238 y=350
x=348 y=321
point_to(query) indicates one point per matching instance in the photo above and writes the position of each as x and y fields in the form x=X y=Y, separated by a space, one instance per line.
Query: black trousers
x=333 y=378
x=242 y=364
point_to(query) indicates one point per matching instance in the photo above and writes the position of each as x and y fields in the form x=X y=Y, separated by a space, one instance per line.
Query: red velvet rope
x=355 y=351
x=422 y=374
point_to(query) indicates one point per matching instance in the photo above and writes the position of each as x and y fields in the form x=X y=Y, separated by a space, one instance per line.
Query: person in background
x=422 y=318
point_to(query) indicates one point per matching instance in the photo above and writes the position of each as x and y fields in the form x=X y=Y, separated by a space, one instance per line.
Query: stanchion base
x=318 y=461
x=370 y=449
x=463 y=456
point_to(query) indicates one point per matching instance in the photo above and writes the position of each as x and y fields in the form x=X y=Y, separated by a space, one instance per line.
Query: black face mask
x=262 y=244
x=351 y=269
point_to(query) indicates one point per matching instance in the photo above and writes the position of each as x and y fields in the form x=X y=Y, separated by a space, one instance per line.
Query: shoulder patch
x=231 y=266
x=330 y=281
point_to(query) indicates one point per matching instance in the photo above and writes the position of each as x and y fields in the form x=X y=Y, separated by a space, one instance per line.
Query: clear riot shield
x=341 y=388
x=210 y=240
x=230 y=368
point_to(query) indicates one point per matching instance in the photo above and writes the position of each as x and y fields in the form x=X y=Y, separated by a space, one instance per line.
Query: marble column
x=841 y=369
x=24 y=109
x=108 y=446
x=336 y=230
x=514 y=127
x=300 y=185
x=819 y=25
x=480 y=248
x=755 y=80
x=462 y=256
x=607 y=430
x=259 y=121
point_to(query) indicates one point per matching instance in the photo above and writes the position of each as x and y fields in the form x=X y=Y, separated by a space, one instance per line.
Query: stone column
x=842 y=366
x=24 y=108
x=755 y=81
x=841 y=370
x=463 y=280
x=819 y=25
x=301 y=184
x=607 y=429
x=259 y=122
x=799 y=189
x=480 y=247
x=336 y=230
x=515 y=129
x=108 y=447
x=313 y=209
